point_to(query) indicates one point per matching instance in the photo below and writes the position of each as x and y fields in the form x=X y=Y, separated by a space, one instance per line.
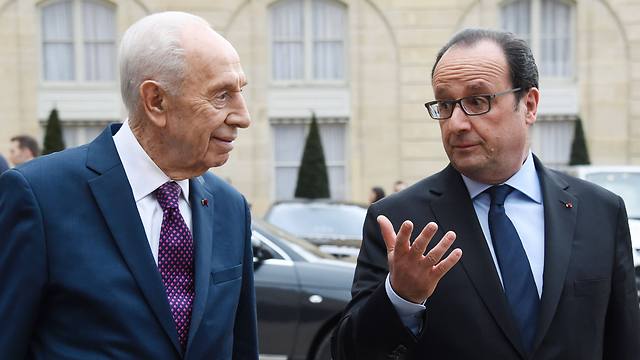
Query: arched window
x=549 y=27
x=308 y=40
x=78 y=41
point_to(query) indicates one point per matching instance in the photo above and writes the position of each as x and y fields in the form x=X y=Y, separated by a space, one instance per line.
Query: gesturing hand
x=414 y=276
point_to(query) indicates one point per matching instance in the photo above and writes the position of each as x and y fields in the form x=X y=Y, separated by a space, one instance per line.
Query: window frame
x=308 y=44
x=289 y=164
x=78 y=43
x=535 y=37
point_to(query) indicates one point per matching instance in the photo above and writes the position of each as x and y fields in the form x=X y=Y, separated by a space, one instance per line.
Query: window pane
x=99 y=62
x=333 y=144
x=287 y=32
x=556 y=39
x=58 y=62
x=551 y=141
x=329 y=27
x=332 y=137
x=99 y=40
x=288 y=61
x=289 y=141
x=57 y=22
x=328 y=60
x=516 y=18
x=57 y=41
x=337 y=181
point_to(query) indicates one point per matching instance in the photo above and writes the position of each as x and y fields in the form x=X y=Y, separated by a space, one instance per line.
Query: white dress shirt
x=525 y=209
x=145 y=177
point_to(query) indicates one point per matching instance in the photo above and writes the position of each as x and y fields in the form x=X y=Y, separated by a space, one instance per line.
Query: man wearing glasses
x=542 y=266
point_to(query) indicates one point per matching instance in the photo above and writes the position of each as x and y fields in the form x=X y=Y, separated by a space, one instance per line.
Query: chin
x=218 y=161
x=469 y=167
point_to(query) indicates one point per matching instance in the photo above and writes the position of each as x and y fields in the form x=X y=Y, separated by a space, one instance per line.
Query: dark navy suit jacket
x=77 y=277
x=589 y=305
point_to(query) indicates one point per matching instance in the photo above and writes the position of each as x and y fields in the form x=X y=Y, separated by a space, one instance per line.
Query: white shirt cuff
x=410 y=314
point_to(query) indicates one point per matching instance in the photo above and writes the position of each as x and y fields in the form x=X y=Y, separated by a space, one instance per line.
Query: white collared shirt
x=525 y=209
x=145 y=177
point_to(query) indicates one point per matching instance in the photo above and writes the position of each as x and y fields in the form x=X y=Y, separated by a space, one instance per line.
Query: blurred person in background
x=23 y=148
x=399 y=185
x=376 y=193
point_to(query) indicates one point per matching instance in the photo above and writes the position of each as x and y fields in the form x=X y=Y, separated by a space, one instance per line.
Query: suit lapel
x=559 y=228
x=454 y=210
x=202 y=214
x=123 y=220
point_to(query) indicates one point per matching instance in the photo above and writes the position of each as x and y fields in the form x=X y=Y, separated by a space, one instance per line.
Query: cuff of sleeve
x=411 y=314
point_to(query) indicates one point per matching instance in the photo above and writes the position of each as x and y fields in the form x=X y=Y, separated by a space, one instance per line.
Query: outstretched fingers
x=419 y=246
x=396 y=243
x=445 y=265
x=434 y=256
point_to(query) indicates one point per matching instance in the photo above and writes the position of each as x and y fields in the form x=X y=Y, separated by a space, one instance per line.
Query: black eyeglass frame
x=488 y=97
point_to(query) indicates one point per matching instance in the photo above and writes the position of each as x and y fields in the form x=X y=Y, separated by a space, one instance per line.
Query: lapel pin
x=568 y=205
x=204 y=202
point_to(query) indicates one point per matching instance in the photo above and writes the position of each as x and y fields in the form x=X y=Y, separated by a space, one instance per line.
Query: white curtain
x=287 y=33
x=289 y=140
x=556 y=39
x=333 y=145
x=99 y=32
x=555 y=56
x=288 y=144
x=516 y=18
x=329 y=28
x=551 y=141
x=57 y=41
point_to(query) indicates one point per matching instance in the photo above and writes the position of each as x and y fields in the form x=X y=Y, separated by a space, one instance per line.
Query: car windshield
x=625 y=184
x=319 y=220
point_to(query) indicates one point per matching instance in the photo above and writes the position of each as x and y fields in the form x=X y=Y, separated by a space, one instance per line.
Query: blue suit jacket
x=78 y=280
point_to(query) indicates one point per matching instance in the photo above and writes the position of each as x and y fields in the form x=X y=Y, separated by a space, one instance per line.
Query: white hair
x=151 y=49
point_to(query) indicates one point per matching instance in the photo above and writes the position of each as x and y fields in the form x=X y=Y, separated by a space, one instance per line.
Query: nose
x=459 y=121
x=239 y=115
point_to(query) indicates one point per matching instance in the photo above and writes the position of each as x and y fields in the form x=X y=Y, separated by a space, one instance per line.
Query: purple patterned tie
x=175 y=259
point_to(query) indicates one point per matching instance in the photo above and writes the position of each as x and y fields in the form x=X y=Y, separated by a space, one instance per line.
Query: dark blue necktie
x=517 y=278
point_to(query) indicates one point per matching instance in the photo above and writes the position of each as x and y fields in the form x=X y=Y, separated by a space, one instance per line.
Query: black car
x=300 y=293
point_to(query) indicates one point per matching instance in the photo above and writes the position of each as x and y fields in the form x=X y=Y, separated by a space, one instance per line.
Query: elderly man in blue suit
x=127 y=248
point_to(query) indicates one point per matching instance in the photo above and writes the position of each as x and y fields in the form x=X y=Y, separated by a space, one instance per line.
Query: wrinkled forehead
x=482 y=62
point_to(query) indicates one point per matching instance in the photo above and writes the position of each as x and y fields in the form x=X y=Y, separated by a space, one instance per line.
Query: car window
x=301 y=248
x=326 y=220
x=625 y=184
x=267 y=251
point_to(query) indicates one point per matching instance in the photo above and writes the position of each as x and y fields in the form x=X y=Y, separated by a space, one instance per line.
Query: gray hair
x=151 y=49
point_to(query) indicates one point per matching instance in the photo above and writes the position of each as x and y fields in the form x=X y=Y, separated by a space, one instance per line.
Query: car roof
x=328 y=202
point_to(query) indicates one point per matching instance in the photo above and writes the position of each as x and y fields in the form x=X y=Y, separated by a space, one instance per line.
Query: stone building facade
x=363 y=66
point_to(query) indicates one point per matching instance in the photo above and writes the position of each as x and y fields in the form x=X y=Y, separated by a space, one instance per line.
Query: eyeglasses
x=470 y=105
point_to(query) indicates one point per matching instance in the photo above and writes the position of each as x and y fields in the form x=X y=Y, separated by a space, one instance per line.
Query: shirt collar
x=143 y=174
x=524 y=180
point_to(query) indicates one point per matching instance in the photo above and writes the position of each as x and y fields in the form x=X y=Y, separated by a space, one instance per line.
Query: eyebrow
x=477 y=87
x=226 y=84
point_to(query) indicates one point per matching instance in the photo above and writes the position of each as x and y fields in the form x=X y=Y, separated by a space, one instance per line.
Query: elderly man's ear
x=153 y=101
